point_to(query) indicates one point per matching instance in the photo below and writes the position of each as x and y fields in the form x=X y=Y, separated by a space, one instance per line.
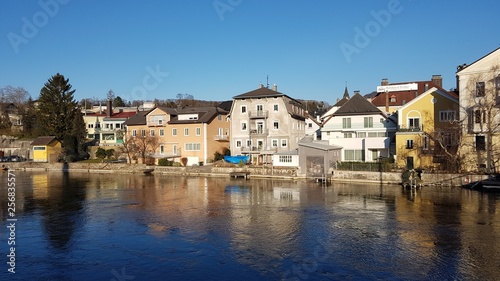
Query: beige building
x=265 y=121
x=193 y=133
x=479 y=92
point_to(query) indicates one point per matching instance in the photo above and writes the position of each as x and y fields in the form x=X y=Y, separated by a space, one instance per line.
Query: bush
x=109 y=153
x=176 y=164
x=184 y=161
x=71 y=158
x=100 y=153
x=165 y=162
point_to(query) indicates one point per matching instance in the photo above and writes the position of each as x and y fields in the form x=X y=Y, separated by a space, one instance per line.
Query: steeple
x=346 y=94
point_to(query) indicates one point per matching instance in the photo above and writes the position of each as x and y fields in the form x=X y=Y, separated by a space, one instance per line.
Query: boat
x=148 y=171
x=237 y=159
x=492 y=183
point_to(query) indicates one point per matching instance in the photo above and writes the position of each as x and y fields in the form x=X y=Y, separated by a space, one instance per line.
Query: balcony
x=158 y=123
x=221 y=137
x=259 y=132
x=259 y=150
x=404 y=128
x=258 y=114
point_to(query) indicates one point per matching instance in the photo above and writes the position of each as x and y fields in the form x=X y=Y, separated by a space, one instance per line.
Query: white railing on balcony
x=221 y=137
x=259 y=132
x=258 y=114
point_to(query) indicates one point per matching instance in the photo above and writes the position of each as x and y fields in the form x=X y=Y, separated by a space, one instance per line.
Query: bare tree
x=144 y=145
x=16 y=95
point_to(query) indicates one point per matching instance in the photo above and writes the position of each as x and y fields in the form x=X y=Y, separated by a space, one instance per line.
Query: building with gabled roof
x=363 y=131
x=265 y=121
x=391 y=96
x=46 y=149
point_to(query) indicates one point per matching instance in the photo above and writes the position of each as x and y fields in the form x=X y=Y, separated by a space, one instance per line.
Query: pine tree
x=58 y=115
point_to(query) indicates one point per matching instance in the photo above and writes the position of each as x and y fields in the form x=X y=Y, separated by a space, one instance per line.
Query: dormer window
x=393 y=98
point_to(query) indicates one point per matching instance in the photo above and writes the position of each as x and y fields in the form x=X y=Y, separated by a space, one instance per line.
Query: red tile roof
x=403 y=97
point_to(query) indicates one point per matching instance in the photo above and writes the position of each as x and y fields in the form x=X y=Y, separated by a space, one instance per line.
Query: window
x=393 y=98
x=143 y=132
x=374 y=155
x=192 y=147
x=238 y=143
x=354 y=155
x=91 y=126
x=480 y=143
x=447 y=115
x=275 y=107
x=162 y=149
x=243 y=126
x=425 y=143
x=219 y=117
x=479 y=116
x=98 y=125
x=414 y=123
x=372 y=134
x=186 y=131
x=249 y=143
x=276 y=125
x=368 y=122
x=260 y=107
x=347 y=135
x=198 y=131
x=243 y=109
x=134 y=133
x=285 y=158
x=409 y=144
x=284 y=143
x=274 y=143
x=346 y=123
x=361 y=134
x=162 y=132
x=152 y=132
x=310 y=125
x=174 y=132
x=480 y=90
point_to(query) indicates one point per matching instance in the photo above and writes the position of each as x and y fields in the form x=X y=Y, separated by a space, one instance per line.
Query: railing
x=156 y=123
x=404 y=128
x=221 y=137
x=259 y=132
x=248 y=149
x=258 y=114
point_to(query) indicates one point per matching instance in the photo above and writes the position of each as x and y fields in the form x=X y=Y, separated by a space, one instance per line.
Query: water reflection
x=80 y=226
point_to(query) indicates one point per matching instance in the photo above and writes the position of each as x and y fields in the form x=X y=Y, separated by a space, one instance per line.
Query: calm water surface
x=136 y=227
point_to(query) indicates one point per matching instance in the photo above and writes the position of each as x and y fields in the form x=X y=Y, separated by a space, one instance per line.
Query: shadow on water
x=62 y=209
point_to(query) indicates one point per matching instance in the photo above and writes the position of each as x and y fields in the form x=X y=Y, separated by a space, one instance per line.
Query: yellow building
x=193 y=133
x=427 y=130
x=46 y=149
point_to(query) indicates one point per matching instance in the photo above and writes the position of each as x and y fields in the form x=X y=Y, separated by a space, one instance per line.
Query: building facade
x=479 y=89
x=265 y=121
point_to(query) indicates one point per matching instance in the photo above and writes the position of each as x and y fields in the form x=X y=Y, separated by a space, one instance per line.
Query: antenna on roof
x=267 y=83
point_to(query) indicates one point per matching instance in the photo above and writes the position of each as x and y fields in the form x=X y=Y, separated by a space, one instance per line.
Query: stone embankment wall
x=12 y=146
x=255 y=172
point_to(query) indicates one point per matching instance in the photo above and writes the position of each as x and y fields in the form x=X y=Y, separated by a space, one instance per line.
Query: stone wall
x=12 y=146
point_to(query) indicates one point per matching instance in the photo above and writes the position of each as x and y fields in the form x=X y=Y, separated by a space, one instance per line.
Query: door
x=409 y=163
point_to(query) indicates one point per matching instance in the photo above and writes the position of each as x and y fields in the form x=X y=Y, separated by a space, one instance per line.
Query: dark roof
x=138 y=119
x=357 y=105
x=226 y=105
x=403 y=97
x=205 y=114
x=259 y=93
x=45 y=140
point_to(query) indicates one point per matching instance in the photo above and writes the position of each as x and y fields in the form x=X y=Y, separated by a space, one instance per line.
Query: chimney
x=385 y=82
x=109 y=108
x=438 y=80
x=356 y=92
x=275 y=88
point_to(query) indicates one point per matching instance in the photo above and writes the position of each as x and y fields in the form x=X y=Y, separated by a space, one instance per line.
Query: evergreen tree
x=29 y=119
x=58 y=115
x=118 y=102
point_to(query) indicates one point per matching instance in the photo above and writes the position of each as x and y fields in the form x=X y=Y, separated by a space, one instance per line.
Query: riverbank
x=254 y=172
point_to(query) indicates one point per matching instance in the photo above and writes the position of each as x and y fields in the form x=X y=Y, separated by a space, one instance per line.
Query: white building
x=361 y=129
x=265 y=121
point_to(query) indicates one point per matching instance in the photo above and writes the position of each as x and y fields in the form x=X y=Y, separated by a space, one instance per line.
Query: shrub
x=71 y=158
x=184 y=161
x=165 y=162
x=100 y=153
x=176 y=164
x=109 y=153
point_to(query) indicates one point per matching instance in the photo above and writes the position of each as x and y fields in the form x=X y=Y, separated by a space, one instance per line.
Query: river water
x=136 y=227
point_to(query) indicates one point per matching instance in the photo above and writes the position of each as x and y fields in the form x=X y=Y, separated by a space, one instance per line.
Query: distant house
x=265 y=121
x=392 y=96
x=363 y=131
x=425 y=131
x=46 y=149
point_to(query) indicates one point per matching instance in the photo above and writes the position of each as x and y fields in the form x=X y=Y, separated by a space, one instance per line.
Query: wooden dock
x=236 y=175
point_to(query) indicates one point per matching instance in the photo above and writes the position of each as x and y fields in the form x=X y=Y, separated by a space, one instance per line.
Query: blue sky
x=217 y=49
